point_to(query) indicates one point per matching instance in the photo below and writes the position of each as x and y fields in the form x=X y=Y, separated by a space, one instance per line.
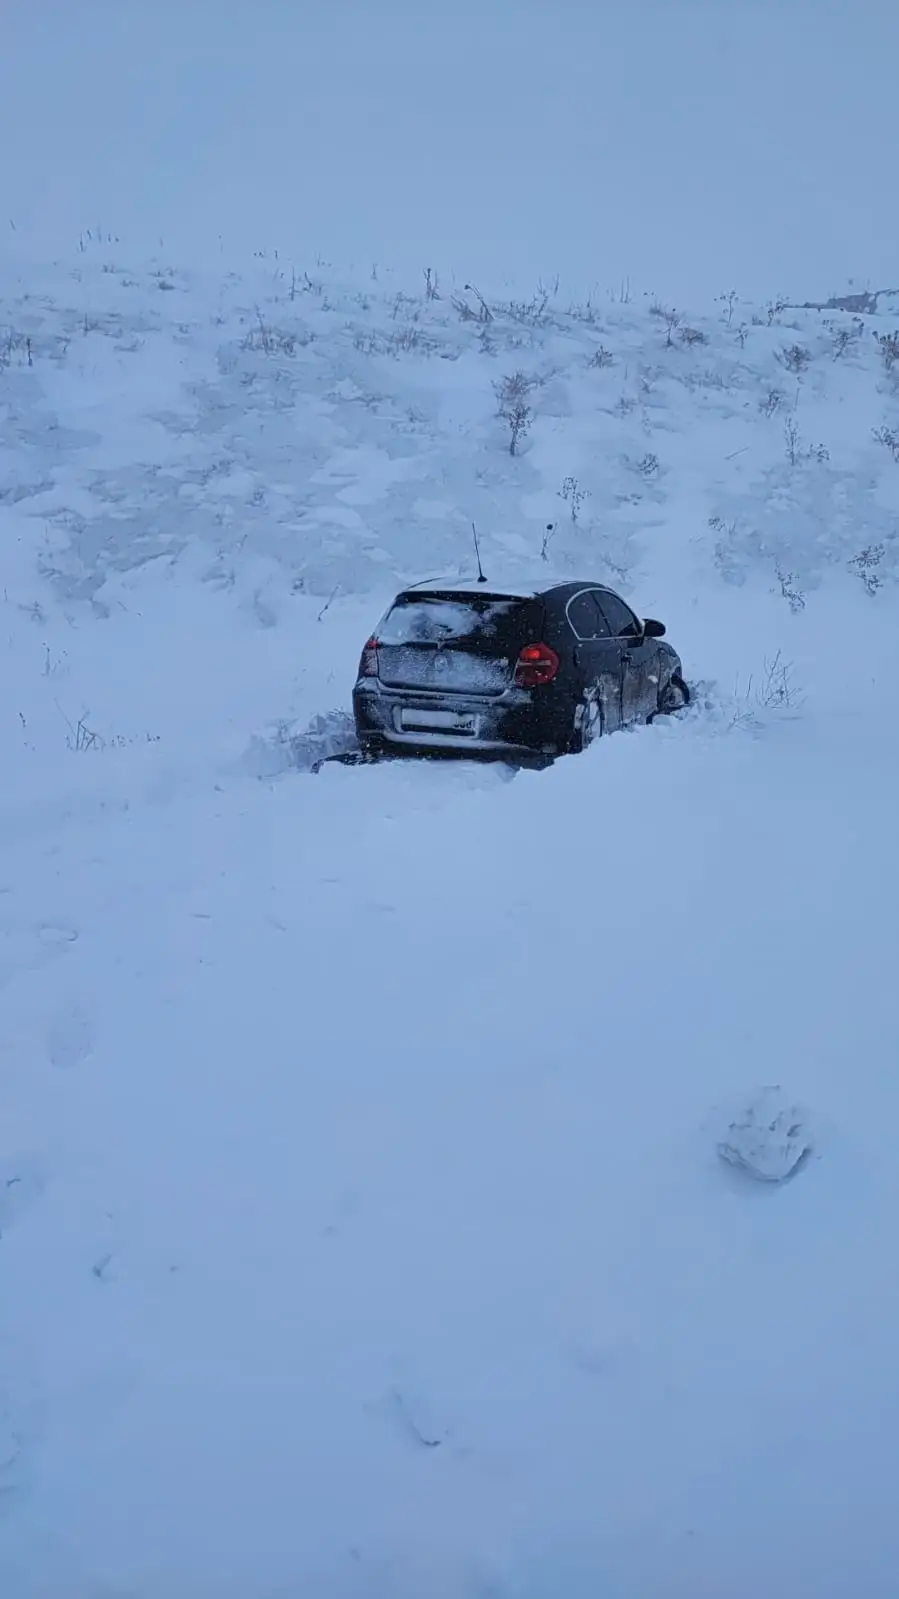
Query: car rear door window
x=621 y=621
x=585 y=618
x=442 y=620
x=453 y=643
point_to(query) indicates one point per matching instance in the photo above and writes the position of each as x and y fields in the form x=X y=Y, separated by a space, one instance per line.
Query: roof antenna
x=477 y=551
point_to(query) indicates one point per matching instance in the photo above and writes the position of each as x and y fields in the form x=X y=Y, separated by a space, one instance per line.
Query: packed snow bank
x=362 y=1229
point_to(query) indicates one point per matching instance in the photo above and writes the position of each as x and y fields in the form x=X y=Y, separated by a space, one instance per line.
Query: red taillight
x=368 y=665
x=536 y=664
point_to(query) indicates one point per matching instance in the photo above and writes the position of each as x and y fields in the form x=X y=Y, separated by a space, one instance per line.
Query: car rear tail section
x=455 y=670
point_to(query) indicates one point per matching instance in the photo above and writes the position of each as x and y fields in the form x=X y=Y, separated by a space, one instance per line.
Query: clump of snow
x=769 y=1138
x=361 y=1227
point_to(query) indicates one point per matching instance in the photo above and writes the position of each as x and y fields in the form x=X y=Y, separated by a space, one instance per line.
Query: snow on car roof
x=454 y=585
x=524 y=589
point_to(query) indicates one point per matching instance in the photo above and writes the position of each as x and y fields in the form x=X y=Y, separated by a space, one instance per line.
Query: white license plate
x=439 y=722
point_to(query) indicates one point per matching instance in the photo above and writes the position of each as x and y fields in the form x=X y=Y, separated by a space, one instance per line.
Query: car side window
x=585 y=618
x=620 y=618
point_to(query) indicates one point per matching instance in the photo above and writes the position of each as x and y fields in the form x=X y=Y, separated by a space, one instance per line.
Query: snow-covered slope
x=361 y=1226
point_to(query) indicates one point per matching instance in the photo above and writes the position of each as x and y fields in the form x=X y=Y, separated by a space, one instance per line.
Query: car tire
x=675 y=696
x=587 y=723
x=372 y=749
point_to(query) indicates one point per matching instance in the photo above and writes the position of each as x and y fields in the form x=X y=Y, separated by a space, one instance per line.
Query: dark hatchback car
x=466 y=667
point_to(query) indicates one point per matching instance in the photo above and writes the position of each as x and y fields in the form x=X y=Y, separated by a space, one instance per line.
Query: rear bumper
x=405 y=718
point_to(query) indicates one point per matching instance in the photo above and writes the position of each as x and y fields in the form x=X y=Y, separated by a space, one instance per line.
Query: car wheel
x=587 y=722
x=372 y=749
x=675 y=696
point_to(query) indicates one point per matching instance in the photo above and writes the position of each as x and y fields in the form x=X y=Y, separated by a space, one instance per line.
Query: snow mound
x=770 y=1138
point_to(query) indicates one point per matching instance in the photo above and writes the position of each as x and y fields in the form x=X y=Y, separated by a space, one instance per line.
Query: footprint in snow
x=56 y=935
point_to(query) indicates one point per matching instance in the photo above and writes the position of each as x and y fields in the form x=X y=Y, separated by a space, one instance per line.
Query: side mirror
x=653 y=629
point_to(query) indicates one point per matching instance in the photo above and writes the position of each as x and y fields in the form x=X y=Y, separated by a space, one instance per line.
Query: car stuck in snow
x=459 y=667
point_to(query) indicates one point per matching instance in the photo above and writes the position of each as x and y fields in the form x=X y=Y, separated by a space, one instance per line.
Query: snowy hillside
x=362 y=1231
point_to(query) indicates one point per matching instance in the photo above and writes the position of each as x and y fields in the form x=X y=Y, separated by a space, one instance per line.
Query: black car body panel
x=444 y=670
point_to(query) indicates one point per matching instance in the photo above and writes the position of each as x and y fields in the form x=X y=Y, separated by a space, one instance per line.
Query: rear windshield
x=441 y=618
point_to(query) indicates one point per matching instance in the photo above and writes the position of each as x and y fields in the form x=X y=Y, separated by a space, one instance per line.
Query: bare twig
x=486 y=315
x=329 y=602
x=795 y=358
x=777 y=691
x=573 y=495
x=512 y=405
x=889 y=438
x=671 y=318
x=790 y=589
x=888 y=344
x=409 y=1422
x=865 y=565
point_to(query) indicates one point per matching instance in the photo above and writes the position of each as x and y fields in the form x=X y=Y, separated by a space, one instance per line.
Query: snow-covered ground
x=363 y=1233
x=362 y=1227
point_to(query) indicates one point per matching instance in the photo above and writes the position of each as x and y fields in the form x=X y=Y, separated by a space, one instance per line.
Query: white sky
x=694 y=145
